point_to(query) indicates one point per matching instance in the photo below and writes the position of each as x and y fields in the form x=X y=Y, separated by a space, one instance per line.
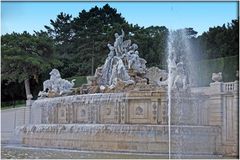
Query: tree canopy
x=26 y=56
x=219 y=41
x=78 y=45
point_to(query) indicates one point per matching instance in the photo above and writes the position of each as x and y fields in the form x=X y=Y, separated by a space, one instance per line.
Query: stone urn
x=217 y=77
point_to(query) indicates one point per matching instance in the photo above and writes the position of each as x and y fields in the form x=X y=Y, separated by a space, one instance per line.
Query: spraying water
x=169 y=60
x=179 y=58
x=43 y=110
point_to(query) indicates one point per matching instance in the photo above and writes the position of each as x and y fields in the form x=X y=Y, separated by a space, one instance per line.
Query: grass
x=20 y=103
x=9 y=105
x=79 y=80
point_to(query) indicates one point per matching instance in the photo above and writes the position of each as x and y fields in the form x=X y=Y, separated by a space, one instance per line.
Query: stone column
x=215 y=104
x=223 y=112
x=124 y=115
x=236 y=118
x=235 y=122
x=215 y=110
x=154 y=110
x=163 y=111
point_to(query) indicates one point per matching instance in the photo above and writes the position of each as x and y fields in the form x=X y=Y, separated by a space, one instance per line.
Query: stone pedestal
x=216 y=87
x=223 y=111
x=29 y=102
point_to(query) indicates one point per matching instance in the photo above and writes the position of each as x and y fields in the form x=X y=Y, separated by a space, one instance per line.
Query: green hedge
x=204 y=69
x=79 y=80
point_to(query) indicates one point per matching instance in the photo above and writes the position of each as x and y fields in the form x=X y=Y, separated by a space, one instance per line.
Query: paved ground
x=10 y=119
x=13 y=152
x=19 y=152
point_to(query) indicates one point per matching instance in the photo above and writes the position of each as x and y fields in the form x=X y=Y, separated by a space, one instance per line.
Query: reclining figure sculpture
x=56 y=85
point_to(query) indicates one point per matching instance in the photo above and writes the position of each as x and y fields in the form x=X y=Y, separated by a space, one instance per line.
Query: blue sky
x=29 y=16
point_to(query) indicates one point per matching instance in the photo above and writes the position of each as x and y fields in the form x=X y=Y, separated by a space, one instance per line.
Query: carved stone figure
x=126 y=46
x=54 y=75
x=119 y=71
x=47 y=85
x=118 y=43
x=42 y=94
x=65 y=86
x=90 y=79
x=137 y=63
x=180 y=79
x=99 y=75
x=112 y=49
x=56 y=85
x=107 y=67
x=156 y=76
x=172 y=68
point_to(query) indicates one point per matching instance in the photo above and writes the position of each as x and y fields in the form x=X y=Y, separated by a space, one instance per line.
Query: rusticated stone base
x=201 y=140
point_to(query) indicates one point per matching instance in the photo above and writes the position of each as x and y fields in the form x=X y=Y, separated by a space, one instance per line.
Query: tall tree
x=87 y=36
x=26 y=57
x=152 y=44
x=220 y=41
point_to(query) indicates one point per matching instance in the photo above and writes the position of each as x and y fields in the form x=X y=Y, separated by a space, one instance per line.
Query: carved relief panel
x=155 y=110
x=163 y=113
x=44 y=118
x=109 y=113
x=82 y=113
x=139 y=111
x=123 y=113
x=62 y=113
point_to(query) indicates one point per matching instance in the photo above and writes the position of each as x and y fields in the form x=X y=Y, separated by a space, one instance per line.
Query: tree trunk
x=13 y=101
x=27 y=87
x=92 y=73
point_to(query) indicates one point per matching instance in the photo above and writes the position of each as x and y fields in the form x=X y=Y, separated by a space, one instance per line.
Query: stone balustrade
x=230 y=86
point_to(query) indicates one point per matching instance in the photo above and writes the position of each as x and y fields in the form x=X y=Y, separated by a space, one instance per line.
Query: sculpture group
x=123 y=57
x=56 y=85
x=122 y=71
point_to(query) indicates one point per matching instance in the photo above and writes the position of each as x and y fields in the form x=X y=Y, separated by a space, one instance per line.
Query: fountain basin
x=133 y=122
x=195 y=140
x=135 y=107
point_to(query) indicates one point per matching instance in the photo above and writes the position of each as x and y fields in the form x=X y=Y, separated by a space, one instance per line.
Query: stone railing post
x=216 y=87
x=29 y=103
x=223 y=112
x=236 y=85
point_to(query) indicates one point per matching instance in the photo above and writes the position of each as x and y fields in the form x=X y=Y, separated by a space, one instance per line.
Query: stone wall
x=136 y=107
x=10 y=119
x=125 y=138
x=222 y=108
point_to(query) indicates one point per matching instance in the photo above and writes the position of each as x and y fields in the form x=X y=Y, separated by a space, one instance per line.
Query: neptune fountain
x=127 y=107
